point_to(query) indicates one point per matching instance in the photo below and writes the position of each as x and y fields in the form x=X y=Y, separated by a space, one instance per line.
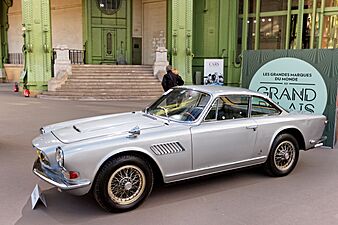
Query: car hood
x=103 y=126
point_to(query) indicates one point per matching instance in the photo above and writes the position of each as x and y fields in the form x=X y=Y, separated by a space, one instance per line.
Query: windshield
x=180 y=105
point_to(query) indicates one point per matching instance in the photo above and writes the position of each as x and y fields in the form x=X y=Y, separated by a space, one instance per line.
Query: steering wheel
x=189 y=115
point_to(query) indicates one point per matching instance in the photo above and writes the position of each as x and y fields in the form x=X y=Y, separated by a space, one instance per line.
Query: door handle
x=254 y=127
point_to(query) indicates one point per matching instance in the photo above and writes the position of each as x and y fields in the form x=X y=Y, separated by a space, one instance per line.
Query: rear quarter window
x=262 y=107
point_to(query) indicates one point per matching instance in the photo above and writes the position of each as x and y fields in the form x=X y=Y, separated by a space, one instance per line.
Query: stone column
x=160 y=63
x=4 y=6
x=181 y=37
x=62 y=68
x=38 y=45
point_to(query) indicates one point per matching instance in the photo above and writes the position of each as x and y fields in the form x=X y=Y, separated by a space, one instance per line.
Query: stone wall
x=66 y=24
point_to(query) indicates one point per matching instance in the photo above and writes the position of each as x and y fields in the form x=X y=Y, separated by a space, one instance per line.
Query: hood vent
x=167 y=148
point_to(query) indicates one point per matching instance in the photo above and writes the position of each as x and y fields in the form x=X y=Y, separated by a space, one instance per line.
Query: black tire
x=283 y=156
x=133 y=179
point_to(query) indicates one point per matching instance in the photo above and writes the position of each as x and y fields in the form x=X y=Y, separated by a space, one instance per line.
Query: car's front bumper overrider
x=55 y=177
x=319 y=142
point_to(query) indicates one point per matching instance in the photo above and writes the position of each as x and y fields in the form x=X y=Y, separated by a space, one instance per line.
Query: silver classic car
x=188 y=132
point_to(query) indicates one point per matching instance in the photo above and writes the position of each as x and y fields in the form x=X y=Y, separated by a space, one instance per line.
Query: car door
x=226 y=135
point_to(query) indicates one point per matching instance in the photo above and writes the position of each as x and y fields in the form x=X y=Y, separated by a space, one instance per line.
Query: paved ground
x=307 y=196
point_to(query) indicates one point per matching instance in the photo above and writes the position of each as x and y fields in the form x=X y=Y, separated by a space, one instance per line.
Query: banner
x=298 y=80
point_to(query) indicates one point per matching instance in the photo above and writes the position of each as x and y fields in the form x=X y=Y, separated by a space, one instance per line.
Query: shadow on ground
x=64 y=208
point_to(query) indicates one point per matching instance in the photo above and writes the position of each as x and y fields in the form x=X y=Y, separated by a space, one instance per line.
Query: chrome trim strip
x=215 y=169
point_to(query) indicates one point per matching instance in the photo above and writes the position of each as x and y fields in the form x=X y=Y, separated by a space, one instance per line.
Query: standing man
x=171 y=79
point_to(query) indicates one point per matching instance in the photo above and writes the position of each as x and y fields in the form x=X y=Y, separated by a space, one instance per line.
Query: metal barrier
x=77 y=56
x=15 y=58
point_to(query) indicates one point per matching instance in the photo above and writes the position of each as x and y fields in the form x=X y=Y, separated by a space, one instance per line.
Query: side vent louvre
x=167 y=148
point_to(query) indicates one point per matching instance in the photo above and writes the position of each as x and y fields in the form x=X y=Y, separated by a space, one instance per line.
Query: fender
x=126 y=150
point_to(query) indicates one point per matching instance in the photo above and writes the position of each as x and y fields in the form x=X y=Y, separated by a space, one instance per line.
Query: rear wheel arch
x=296 y=134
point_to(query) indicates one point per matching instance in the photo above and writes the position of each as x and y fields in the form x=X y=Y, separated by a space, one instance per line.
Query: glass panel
x=307 y=21
x=331 y=3
x=240 y=6
x=261 y=107
x=252 y=6
x=109 y=6
x=109 y=43
x=273 y=32
x=306 y=32
x=294 y=4
x=308 y=4
x=239 y=40
x=274 y=5
x=251 y=33
x=330 y=32
x=180 y=105
x=316 y=37
x=213 y=111
x=233 y=107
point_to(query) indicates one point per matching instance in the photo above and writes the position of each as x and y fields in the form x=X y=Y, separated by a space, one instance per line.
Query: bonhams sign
x=292 y=83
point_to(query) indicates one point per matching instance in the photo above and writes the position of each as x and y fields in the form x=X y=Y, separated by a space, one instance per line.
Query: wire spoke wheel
x=126 y=185
x=284 y=155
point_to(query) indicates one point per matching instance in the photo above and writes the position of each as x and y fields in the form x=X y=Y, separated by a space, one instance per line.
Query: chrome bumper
x=318 y=143
x=56 y=178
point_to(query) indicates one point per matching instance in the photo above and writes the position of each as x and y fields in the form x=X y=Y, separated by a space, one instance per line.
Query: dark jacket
x=171 y=80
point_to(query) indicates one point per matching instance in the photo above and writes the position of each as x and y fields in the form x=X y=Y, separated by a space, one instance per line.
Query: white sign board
x=292 y=83
x=36 y=196
x=213 y=71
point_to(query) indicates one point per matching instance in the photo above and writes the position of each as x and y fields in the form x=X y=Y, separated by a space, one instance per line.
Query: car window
x=180 y=105
x=229 y=107
x=262 y=107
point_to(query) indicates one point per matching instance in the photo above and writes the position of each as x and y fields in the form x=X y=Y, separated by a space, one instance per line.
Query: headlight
x=43 y=157
x=59 y=156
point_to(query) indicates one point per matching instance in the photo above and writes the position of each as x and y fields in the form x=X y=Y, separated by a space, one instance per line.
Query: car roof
x=222 y=90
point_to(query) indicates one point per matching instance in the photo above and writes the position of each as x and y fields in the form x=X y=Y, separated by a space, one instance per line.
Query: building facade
x=128 y=32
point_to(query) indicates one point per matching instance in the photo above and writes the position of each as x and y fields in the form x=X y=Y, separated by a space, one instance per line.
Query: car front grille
x=167 y=148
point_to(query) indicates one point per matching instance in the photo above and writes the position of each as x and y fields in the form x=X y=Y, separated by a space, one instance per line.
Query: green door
x=108 y=31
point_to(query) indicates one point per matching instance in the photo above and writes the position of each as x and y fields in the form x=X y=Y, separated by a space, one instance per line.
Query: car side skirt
x=215 y=169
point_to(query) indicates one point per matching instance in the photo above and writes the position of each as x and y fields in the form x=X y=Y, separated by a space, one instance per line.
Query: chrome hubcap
x=126 y=185
x=284 y=155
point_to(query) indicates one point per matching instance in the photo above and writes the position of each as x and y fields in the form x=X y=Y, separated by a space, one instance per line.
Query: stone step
x=94 y=70
x=111 y=76
x=85 y=92
x=112 y=82
x=105 y=86
x=109 y=66
x=98 y=98
x=115 y=87
x=109 y=82
x=104 y=82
